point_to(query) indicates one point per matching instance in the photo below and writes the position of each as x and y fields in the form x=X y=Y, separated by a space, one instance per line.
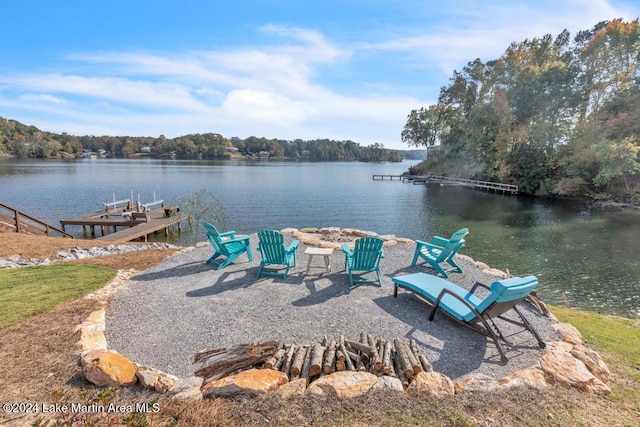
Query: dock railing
x=20 y=221
x=445 y=180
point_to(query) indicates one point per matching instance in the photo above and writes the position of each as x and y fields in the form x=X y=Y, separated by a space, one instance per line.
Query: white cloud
x=284 y=85
x=42 y=97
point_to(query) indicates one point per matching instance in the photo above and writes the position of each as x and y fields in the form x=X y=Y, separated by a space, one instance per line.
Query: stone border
x=566 y=363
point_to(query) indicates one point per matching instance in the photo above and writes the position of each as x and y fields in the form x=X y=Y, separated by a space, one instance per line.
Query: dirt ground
x=41 y=247
x=38 y=356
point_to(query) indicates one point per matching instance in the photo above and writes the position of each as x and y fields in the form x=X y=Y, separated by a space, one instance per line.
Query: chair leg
x=415 y=256
x=439 y=269
x=213 y=257
x=249 y=254
x=260 y=269
x=455 y=266
x=528 y=325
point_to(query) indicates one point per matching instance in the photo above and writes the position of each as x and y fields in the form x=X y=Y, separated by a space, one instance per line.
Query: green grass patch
x=27 y=291
x=617 y=340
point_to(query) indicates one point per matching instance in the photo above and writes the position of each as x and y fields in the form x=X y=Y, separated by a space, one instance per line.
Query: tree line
x=17 y=139
x=554 y=115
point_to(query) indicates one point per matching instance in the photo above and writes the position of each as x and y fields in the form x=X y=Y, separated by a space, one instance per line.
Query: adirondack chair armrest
x=432 y=246
x=229 y=234
x=238 y=239
x=381 y=253
x=421 y=242
x=293 y=245
x=346 y=250
x=440 y=241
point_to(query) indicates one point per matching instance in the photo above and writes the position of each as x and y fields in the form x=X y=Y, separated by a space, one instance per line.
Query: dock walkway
x=138 y=225
x=444 y=180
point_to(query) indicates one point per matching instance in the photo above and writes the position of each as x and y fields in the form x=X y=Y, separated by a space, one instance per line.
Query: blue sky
x=350 y=69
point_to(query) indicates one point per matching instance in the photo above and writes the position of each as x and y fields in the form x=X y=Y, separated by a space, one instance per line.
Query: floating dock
x=138 y=223
x=447 y=181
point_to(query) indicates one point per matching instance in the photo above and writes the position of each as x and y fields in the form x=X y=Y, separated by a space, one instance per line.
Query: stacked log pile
x=397 y=358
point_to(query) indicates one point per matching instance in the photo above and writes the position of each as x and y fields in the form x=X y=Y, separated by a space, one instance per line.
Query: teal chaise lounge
x=475 y=312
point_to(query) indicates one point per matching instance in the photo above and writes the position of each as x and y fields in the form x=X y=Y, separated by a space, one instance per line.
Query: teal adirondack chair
x=226 y=244
x=365 y=258
x=274 y=252
x=441 y=251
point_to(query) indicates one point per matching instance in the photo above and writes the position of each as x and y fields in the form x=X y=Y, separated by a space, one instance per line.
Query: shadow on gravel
x=179 y=271
x=319 y=294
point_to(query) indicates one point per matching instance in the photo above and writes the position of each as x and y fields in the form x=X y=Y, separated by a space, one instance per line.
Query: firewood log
x=298 y=360
x=221 y=362
x=413 y=359
x=316 y=357
x=426 y=365
x=347 y=360
x=288 y=359
x=399 y=371
x=403 y=359
x=329 y=358
x=386 y=358
x=341 y=365
x=272 y=362
x=306 y=366
x=362 y=348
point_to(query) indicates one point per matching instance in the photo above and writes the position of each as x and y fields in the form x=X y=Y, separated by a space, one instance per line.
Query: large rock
x=344 y=384
x=562 y=368
x=108 y=368
x=475 y=382
x=147 y=376
x=433 y=383
x=92 y=333
x=250 y=382
x=569 y=333
x=592 y=361
x=186 y=389
x=532 y=377
x=386 y=382
x=293 y=388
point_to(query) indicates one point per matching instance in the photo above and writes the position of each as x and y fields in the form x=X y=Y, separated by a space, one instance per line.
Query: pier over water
x=447 y=181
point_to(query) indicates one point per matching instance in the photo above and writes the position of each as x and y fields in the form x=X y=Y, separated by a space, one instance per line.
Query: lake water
x=583 y=255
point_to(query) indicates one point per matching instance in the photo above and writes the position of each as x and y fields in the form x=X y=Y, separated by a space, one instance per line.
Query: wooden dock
x=447 y=181
x=136 y=224
x=382 y=177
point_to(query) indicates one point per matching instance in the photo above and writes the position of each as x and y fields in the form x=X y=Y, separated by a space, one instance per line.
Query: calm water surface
x=583 y=255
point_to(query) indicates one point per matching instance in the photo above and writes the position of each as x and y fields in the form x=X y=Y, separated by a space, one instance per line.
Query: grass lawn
x=27 y=291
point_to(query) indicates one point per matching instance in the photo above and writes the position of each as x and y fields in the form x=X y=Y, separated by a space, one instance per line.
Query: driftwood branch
x=221 y=362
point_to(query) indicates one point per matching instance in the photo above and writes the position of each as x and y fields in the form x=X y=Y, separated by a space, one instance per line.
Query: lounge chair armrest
x=456 y=296
x=479 y=285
